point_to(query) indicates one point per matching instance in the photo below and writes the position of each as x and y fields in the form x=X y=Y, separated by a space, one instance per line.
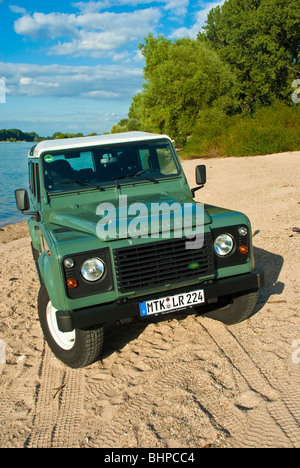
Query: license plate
x=170 y=303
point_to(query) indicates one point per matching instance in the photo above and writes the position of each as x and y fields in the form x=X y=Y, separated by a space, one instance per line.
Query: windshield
x=99 y=166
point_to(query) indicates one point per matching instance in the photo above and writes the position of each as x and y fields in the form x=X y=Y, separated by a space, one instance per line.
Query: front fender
x=35 y=234
x=52 y=278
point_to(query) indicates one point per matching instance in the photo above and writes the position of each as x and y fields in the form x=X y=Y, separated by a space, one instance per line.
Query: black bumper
x=97 y=315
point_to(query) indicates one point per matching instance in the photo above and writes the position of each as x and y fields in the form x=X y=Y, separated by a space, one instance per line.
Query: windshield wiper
x=141 y=173
x=82 y=182
x=151 y=179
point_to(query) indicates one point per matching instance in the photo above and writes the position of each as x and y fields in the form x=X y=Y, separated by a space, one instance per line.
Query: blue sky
x=73 y=66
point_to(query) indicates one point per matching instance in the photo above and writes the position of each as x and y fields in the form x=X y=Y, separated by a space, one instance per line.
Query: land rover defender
x=117 y=235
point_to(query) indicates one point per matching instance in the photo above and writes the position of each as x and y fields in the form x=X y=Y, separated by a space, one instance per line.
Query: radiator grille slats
x=162 y=262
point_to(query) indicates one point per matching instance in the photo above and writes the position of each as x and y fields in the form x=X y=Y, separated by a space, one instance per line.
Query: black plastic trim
x=100 y=314
x=86 y=288
x=235 y=257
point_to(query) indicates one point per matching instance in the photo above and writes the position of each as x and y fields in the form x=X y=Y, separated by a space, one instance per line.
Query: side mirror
x=201 y=175
x=200 y=178
x=22 y=200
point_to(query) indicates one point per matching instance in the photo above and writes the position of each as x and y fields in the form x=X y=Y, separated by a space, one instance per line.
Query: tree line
x=239 y=69
x=17 y=135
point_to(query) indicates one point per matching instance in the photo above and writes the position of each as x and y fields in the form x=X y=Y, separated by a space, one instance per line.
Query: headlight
x=223 y=245
x=92 y=269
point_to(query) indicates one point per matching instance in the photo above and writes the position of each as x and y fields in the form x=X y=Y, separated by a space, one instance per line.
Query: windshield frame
x=114 y=182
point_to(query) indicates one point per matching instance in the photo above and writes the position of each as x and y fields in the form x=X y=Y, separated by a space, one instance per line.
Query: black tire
x=239 y=308
x=77 y=349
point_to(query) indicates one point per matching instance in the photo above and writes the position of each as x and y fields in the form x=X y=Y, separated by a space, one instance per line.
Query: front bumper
x=101 y=314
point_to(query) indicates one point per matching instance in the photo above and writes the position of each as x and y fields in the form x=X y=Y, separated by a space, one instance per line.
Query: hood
x=154 y=216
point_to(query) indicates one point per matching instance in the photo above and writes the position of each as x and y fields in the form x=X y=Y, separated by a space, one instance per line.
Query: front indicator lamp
x=72 y=283
x=223 y=245
x=93 y=269
x=244 y=249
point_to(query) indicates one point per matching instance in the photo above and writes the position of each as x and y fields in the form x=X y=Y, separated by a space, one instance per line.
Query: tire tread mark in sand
x=281 y=412
x=286 y=413
x=240 y=360
x=173 y=376
x=180 y=375
x=59 y=403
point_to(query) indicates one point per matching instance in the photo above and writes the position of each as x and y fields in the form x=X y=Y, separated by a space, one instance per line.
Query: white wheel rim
x=65 y=341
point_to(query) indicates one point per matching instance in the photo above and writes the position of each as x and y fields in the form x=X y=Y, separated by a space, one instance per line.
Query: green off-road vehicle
x=116 y=235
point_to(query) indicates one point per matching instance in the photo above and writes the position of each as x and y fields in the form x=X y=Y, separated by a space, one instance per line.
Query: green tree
x=59 y=135
x=126 y=125
x=260 y=41
x=15 y=134
x=183 y=78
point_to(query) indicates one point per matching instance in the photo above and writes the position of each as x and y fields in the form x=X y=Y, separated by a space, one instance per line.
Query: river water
x=13 y=175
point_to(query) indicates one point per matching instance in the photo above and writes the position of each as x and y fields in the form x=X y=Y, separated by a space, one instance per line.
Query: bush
x=208 y=136
x=272 y=129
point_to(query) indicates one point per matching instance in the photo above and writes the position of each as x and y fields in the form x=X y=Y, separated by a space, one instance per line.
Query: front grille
x=162 y=262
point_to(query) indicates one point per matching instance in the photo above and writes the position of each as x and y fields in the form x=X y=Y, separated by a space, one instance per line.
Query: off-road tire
x=239 y=309
x=85 y=346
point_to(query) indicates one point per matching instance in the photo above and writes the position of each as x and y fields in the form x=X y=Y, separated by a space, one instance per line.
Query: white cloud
x=200 y=19
x=177 y=7
x=17 y=9
x=25 y=80
x=93 y=44
x=50 y=25
x=100 y=95
x=89 y=34
x=97 y=83
x=91 y=7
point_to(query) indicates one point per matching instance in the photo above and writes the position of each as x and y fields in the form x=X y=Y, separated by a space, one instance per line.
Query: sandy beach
x=180 y=381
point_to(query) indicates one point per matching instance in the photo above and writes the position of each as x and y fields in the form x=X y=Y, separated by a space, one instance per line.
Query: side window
x=37 y=183
x=33 y=178
x=29 y=175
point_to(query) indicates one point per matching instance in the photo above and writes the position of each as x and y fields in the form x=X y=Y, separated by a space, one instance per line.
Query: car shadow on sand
x=271 y=264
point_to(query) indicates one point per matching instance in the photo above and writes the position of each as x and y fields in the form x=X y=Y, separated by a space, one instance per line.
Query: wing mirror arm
x=194 y=190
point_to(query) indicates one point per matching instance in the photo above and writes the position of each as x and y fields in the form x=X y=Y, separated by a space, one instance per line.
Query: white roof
x=84 y=142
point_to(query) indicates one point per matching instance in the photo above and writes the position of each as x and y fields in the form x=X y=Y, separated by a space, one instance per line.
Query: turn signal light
x=244 y=249
x=72 y=283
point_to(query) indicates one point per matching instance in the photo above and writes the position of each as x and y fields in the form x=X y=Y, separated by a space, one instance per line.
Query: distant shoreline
x=19 y=141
